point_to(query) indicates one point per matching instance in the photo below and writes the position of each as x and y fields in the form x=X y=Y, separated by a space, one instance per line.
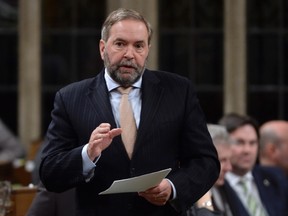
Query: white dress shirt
x=135 y=99
x=234 y=181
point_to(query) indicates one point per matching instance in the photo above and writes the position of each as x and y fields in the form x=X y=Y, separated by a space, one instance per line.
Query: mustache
x=127 y=64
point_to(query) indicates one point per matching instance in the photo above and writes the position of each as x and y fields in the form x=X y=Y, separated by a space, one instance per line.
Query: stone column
x=149 y=9
x=235 y=82
x=29 y=86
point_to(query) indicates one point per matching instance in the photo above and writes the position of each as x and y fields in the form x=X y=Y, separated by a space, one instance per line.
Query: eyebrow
x=123 y=40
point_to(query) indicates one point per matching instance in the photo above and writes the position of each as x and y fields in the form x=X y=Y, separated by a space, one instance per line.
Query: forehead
x=245 y=131
x=129 y=30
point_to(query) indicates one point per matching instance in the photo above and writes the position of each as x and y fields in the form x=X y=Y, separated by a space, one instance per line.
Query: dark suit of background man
x=83 y=146
x=267 y=185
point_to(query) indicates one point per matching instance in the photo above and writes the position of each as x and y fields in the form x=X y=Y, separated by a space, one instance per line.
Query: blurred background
x=234 y=51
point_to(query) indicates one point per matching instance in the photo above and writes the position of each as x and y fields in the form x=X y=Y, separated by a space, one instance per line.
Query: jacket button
x=132 y=171
x=129 y=206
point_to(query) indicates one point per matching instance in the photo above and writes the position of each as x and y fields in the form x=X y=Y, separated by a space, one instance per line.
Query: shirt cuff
x=173 y=190
x=88 y=165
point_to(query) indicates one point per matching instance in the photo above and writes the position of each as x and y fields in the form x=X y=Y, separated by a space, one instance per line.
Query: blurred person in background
x=214 y=202
x=46 y=203
x=252 y=190
x=10 y=146
x=274 y=144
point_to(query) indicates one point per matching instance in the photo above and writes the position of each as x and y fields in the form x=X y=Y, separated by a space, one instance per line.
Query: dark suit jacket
x=272 y=187
x=47 y=203
x=172 y=133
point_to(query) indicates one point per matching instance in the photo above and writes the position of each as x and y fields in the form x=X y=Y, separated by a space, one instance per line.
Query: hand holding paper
x=137 y=184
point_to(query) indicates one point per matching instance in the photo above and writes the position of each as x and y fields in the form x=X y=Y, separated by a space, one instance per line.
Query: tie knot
x=123 y=90
x=244 y=184
x=243 y=181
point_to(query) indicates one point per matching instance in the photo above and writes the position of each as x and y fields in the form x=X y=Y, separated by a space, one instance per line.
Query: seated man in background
x=214 y=201
x=10 y=146
x=274 y=144
x=47 y=203
x=251 y=190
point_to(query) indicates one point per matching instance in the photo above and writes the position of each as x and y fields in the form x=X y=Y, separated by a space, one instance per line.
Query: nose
x=129 y=52
x=247 y=147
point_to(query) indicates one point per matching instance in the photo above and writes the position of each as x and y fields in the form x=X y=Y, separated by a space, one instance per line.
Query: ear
x=272 y=150
x=102 y=48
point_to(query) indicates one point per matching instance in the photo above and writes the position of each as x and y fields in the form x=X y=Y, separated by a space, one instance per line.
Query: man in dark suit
x=274 y=144
x=47 y=203
x=251 y=190
x=83 y=146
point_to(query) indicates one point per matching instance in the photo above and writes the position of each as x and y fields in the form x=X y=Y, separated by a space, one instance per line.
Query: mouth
x=247 y=160
x=126 y=68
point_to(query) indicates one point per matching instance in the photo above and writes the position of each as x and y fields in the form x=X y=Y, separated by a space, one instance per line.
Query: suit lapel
x=151 y=98
x=99 y=98
x=264 y=187
x=234 y=201
x=152 y=94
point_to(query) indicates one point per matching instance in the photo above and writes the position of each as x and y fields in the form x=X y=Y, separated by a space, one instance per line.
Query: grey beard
x=115 y=72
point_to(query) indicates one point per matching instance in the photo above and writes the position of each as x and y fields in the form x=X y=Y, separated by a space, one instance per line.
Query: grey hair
x=218 y=134
x=123 y=14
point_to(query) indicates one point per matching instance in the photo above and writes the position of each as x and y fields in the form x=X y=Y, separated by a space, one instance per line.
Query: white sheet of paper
x=138 y=183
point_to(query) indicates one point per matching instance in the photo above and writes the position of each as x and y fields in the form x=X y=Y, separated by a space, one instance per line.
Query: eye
x=239 y=142
x=119 y=44
x=139 y=47
x=253 y=143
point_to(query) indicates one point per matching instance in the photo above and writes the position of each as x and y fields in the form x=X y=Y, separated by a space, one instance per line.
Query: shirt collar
x=233 y=179
x=111 y=84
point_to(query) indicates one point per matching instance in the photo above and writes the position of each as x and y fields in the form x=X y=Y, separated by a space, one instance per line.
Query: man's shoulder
x=84 y=84
x=270 y=173
x=78 y=86
x=165 y=74
x=266 y=169
x=168 y=78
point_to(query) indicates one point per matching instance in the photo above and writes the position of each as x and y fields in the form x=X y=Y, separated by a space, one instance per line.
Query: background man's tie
x=127 y=121
x=254 y=207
